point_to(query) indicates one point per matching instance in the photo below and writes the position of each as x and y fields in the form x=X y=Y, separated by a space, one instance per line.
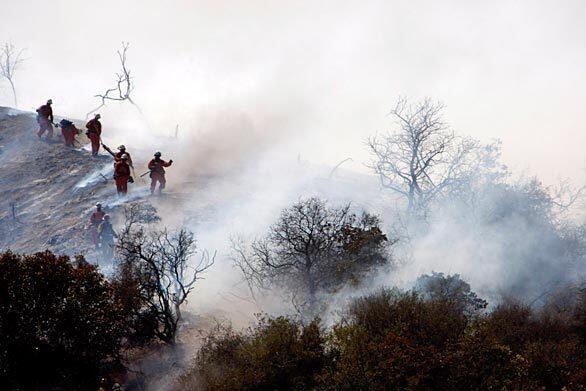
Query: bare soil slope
x=46 y=189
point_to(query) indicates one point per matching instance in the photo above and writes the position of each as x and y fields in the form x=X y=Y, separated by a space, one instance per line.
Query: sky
x=318 y=77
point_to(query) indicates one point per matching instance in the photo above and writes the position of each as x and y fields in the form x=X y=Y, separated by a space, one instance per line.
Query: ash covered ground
x=48 y=191
x=43 y=201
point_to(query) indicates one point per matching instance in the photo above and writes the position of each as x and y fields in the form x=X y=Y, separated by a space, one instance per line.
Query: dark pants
x=157 y=177
x=45 y=126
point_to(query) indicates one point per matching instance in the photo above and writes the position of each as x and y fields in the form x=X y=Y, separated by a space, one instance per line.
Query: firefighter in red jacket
x=121 y=152
x=45 y=119
x=118 y=155
x=157 y=172
x=94 y=133
x=69 y=131
x=122 y=175
x=95 y=219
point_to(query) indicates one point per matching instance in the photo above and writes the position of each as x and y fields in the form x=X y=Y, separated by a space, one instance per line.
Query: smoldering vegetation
x=462 y=211
x=451 y=273
x=454 y=274
x=290 y=249
x=392 y=340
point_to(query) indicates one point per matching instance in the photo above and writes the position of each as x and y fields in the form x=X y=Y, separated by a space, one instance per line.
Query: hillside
x=47 y=191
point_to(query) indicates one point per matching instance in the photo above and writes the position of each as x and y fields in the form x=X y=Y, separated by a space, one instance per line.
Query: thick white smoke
x=269 y=97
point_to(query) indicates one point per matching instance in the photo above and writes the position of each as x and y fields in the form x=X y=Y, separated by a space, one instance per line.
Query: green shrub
x=277 y=354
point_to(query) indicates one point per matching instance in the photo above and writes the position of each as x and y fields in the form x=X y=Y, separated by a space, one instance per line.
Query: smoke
x=501 y=246
x=256 y=104
x=329 y=70
x=96 y=176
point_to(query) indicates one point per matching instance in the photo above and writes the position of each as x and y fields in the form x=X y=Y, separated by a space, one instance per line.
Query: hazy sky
x=326 y=72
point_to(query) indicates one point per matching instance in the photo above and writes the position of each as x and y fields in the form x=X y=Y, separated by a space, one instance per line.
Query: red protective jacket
x=94 y=126
x=156 y=166
x=45 y=112
x=96 y=217
x=121 y=169
x=118 y=157
x=69 y=133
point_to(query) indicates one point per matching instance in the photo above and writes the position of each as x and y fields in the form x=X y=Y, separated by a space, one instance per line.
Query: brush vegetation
x=392 y=340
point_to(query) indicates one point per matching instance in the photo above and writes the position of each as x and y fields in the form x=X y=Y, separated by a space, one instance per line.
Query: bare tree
x=160 y=261
x=424 y=158
x=10 y=60
x=124 y=84
x=564 y=195
x=312 y=248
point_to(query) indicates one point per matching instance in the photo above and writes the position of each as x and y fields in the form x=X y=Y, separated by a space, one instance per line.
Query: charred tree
x=124 y=84
x=159 y=261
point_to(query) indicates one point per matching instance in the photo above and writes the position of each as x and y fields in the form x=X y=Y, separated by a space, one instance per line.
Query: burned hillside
x=47 y=191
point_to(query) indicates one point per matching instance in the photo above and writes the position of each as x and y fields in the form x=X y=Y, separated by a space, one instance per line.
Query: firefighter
x=94 y=133
x=45 y=119
x=118 y=155
x=95 y=219
x=69 y=131
x=121 y=152
x=122 y=175
x=106 y=235
x=157 y=172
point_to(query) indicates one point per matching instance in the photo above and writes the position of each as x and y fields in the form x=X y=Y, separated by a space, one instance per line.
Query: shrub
x=549 y=342
x=59 y=322
x=452 y=288
x=476 y=363
x=140 y=320
x=392 y=340
x=277 y=354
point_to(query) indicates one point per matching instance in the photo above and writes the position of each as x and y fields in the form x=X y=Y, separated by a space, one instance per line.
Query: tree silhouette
x=10 y=61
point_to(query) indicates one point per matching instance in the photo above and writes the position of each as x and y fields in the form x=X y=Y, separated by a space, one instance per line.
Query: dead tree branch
x=333 y=171
x=162 y=260
x=124 y=84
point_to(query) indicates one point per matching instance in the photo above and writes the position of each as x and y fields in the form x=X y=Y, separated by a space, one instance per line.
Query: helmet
x=97 y=116
x=98 y=205
x=50 y=101
x=157 y=154
x=124 y=157
x=122 y=148
x=106 y=217
x=116 y=387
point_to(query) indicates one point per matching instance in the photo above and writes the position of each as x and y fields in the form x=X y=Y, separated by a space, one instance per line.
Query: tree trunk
x=411 y=199
x=177 y=316
x=312 y=296
x=13 y=93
